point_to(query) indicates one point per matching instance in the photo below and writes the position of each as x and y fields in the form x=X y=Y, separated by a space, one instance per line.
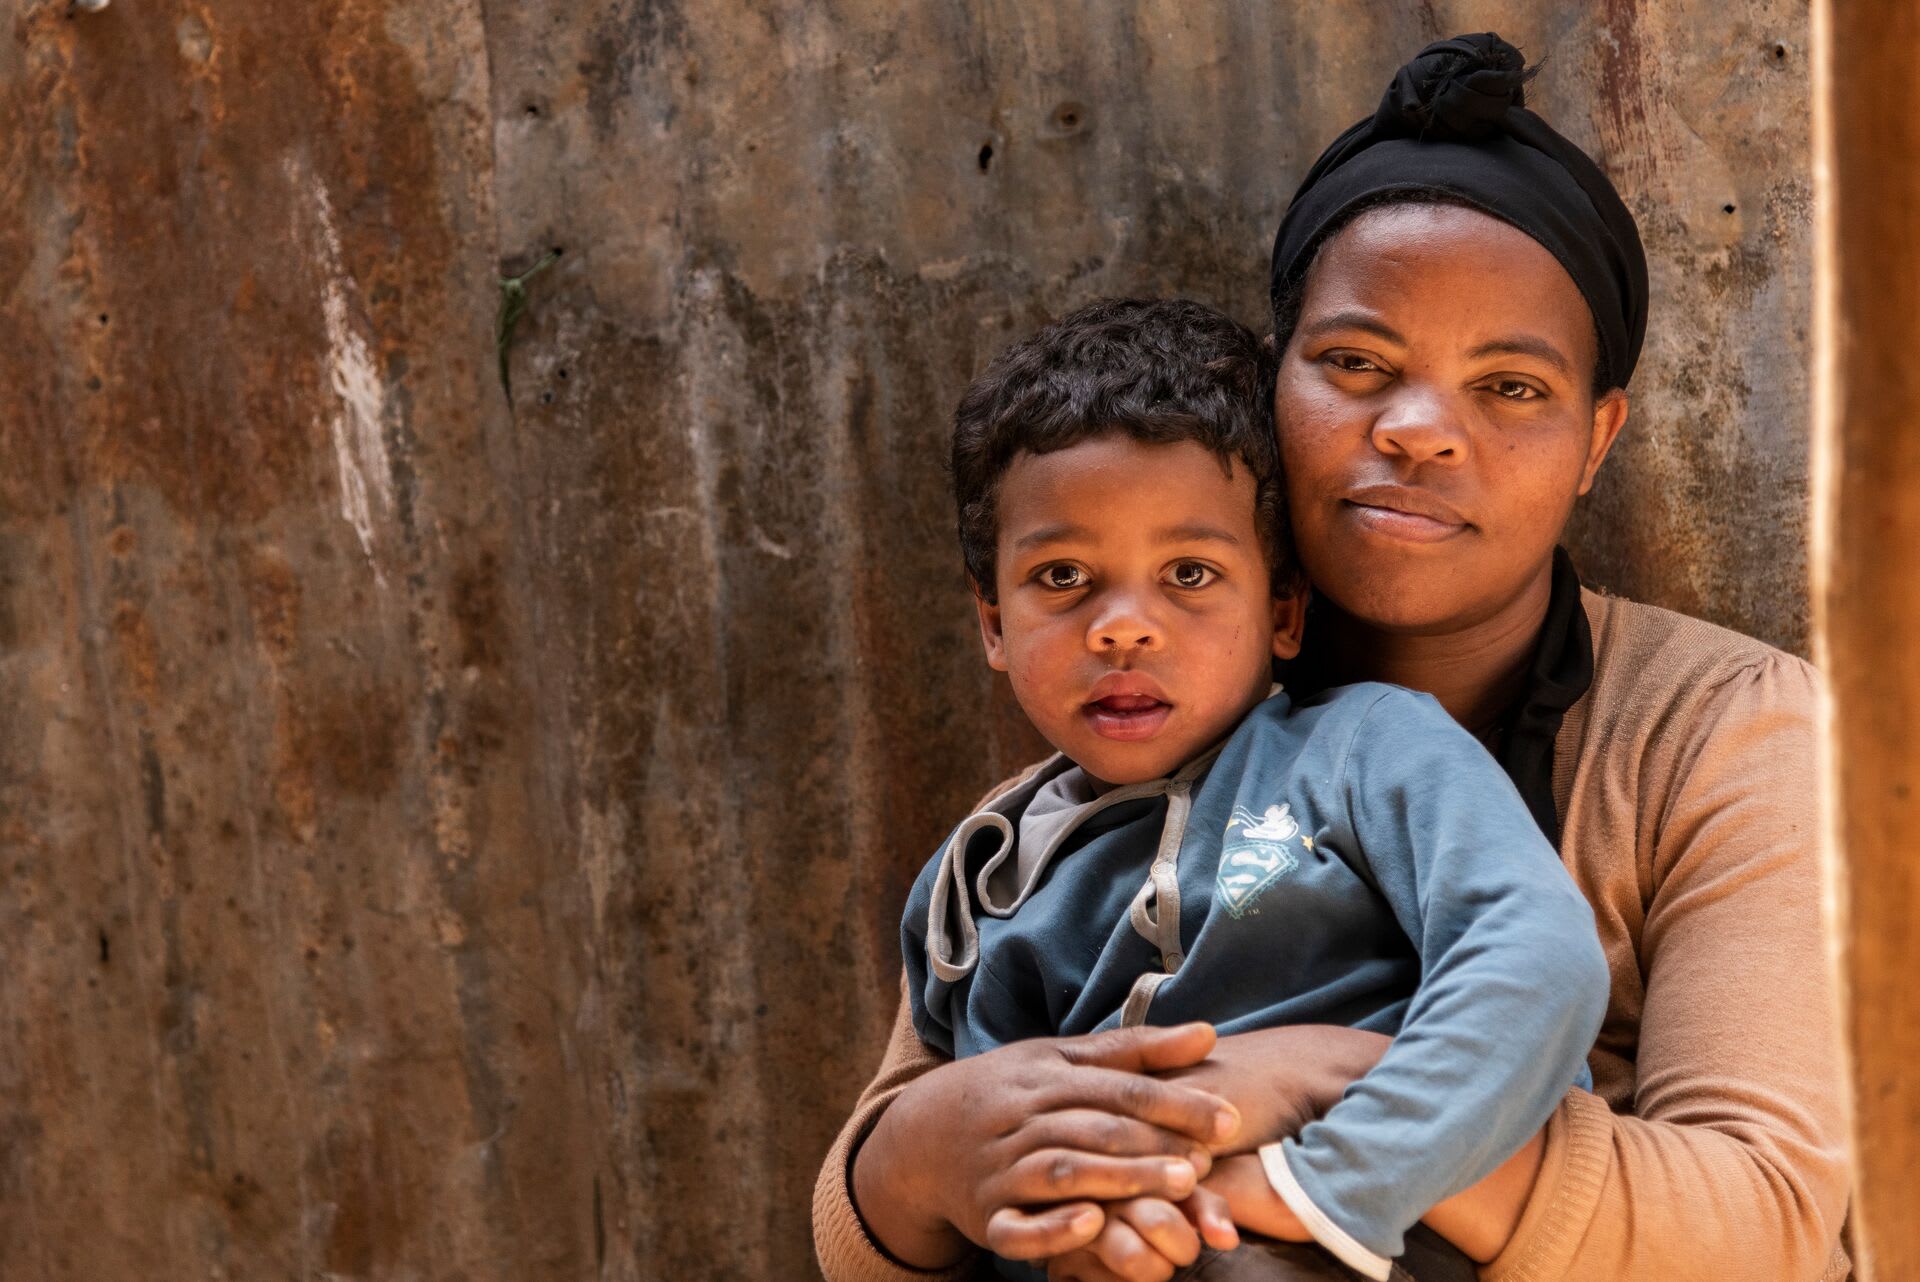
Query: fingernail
x=1225 y=1123
x=1086 y=1221
x=1181 y=1177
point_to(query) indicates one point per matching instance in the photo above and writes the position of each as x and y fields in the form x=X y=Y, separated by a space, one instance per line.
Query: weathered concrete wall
x=446 y=836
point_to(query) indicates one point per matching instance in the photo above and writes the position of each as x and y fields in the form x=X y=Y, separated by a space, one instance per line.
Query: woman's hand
x=1282 y=1078
x=1059 y=1124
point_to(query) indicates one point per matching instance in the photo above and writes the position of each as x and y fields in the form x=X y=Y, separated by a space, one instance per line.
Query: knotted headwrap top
x=1455 y=121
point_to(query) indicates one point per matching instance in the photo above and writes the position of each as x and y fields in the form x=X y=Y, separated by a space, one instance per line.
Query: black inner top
x=1521 y=738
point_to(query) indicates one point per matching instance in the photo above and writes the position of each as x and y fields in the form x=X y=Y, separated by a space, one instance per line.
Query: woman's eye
x=1192 y=574
x=1064 y=576
x=1351 y=363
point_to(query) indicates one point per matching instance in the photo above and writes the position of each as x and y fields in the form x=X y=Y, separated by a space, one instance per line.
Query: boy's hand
x=1137 y=1244
x=1241 y=1184
x=1146 y=1239
x=1014 y=1149
x=1282 y=1078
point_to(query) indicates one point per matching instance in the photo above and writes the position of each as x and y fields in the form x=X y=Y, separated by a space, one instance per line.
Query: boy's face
x=1135 y=616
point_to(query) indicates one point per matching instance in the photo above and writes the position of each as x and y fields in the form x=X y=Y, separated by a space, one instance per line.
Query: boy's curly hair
x=1157 y=370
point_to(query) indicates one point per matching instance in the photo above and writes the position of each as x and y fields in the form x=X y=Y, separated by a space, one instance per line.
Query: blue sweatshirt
x=1357 y=859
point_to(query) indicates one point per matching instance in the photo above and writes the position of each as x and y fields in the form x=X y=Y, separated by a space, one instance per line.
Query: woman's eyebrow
x=1366 y=322
x=1525 y=346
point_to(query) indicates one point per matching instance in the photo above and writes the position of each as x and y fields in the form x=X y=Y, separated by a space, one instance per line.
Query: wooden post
x=1866 y=568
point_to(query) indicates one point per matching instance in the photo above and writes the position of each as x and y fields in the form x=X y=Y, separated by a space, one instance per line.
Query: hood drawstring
x=953 y=937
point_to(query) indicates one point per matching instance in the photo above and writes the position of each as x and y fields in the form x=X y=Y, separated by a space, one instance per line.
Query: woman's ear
x=991 y=636
x=1609 y=416
x=1290 y=620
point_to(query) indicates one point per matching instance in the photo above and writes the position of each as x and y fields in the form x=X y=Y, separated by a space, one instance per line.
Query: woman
x=1460 y=297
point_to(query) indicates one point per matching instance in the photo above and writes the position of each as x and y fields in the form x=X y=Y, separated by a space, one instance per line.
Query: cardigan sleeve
x=1732 y=1160
x=847 y=1253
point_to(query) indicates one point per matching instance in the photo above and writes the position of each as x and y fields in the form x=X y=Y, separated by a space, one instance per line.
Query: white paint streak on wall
x=766 y=544
x=357 y=425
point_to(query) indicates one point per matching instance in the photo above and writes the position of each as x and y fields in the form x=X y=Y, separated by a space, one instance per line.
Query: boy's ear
x=990 y=634
x=1290 y=620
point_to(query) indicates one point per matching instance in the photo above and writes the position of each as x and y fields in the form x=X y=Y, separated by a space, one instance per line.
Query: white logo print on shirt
x=1256 y=856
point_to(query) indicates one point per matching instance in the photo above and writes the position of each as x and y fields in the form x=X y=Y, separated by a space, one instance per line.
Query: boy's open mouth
x=1128 y=716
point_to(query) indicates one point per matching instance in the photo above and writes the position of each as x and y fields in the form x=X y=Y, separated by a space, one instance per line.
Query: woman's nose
x=1125 y=621
x=1422 y=426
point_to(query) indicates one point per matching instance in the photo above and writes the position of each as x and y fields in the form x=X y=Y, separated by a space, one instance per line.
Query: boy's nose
x=1122 y=640
x=1126 y=626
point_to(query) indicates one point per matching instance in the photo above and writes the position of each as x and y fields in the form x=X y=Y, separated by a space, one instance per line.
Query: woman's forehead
x=1447 y=269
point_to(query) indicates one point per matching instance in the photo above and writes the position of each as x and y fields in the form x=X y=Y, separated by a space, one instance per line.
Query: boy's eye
x=1064 y=576
x=1512 y=389
x=1192 y=574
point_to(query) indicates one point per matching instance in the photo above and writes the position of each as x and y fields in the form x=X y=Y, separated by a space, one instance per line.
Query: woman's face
x=1436 y=416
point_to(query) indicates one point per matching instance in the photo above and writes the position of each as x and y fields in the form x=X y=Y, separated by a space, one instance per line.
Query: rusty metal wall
x=446 y=835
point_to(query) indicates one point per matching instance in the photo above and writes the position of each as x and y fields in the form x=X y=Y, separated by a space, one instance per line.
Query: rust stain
x=273 y=602
x=1620 y=84
x=478 y=612
x=356 y=738
x=1624 y=96
x=138 y=653
x=166 y=177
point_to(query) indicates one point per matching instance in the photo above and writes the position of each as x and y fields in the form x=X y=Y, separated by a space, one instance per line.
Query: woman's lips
x=1383 y=515
x=1127 y=716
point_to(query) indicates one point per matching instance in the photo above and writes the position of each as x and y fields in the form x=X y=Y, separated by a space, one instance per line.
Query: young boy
x=1202 y=847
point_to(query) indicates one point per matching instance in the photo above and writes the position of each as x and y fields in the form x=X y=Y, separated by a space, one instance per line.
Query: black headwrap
x=1455 y=121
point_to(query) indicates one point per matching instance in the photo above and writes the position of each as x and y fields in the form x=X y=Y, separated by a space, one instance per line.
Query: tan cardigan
x=1713 y=1145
